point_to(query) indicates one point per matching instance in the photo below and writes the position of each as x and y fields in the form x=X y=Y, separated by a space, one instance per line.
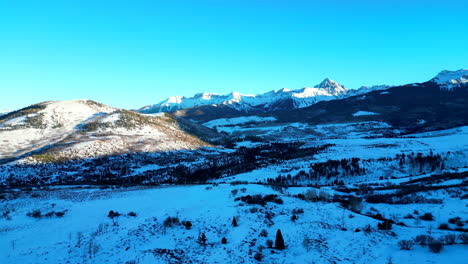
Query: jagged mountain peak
x=331 y=87
x=451 y=79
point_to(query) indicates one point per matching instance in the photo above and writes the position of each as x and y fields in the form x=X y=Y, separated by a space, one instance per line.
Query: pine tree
x=279 y=242
x=202 y=239
x=234 y=222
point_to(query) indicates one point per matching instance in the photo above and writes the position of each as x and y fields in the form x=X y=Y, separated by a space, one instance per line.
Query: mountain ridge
x=302 y=97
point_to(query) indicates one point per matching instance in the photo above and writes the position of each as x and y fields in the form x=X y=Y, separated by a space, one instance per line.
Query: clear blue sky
x=133 y=53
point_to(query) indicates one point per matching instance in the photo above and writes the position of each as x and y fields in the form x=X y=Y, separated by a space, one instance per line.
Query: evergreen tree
x=224 y=240
x=279 y=241
x=202 y=239
x=234 y=222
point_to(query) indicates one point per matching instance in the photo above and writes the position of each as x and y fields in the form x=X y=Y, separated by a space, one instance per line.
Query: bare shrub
x=405 y=244
x=449 y=239
x=298 y=211
x=313 y=195
x=463 y=238
x=307 y=243
x=367 y=229
x=171 y=221
x=423 y=240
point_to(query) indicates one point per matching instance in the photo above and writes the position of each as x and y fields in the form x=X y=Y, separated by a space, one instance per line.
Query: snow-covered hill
x=270 y=101
x=451 y=79
x=58 y=130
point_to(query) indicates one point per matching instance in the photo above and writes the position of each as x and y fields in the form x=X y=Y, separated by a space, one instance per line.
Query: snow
x=364 y=113
x=210 y=208
x=451 y=79
x=327 y=90
x=238 y=121
x=62 y=121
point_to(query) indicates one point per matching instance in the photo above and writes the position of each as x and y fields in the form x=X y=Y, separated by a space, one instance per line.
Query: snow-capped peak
x=332 y=87
x=326 y=90
x=450 y=79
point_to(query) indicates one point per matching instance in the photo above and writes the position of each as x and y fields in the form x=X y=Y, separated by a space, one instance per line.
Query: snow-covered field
x=86 y=235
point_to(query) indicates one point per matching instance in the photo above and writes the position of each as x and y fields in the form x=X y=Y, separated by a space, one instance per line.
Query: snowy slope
x=324 y=232
x=82 y=129
x=451 y=79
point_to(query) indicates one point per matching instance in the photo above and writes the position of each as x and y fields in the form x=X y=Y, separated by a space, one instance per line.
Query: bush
x=263 y=233
x=113 y=214
x=449 y=239
x=385 y=225
x=454 y=220
x=258 y=256
x=436 y=246
x=35 y=214
x=260 y=199
x=298 y=211
x=409 y=216
x=463 y=238
x=367 y=229
x=60 y=214
x=444 y=226
x=224 y=240
x=307 y=243
x=171 y=221
x=294 y=218
x=427 y=217
x=187 y=224
x=269 y=243
x=405 y=244
x=423 y=240
x=132 y=214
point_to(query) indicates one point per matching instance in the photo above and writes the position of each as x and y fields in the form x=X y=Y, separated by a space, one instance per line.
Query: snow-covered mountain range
x=286 y=99
x=270 y=101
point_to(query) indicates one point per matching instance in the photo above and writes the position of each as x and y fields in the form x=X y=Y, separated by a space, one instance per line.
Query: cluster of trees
x=122 y=169
x=422 y=163
x=328 y=170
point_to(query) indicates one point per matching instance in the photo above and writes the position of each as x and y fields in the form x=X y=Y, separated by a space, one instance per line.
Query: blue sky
x=133 y=53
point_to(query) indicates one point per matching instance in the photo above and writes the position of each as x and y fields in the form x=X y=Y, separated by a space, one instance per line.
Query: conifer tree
x=234 y=222
x=279 y=241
